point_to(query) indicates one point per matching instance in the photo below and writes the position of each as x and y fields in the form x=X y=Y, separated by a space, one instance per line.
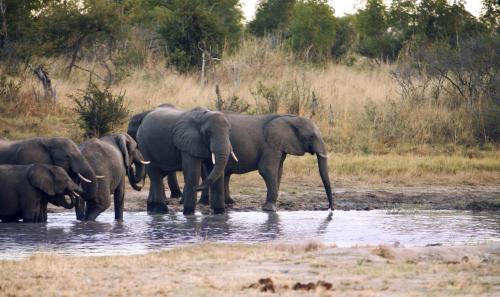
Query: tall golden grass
x=360 y=106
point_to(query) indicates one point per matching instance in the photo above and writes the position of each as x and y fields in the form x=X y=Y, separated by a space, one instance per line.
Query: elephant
x=26 y=190
x=133 y=125
x=174 y=140
x=263 y=142
x=56 y=151
x=112 y=156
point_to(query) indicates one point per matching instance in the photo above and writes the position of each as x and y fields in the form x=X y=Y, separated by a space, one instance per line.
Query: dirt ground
x=262 y=270
x=307 y=196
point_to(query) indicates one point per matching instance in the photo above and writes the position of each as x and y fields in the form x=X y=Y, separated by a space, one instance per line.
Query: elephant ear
x=187 y=135
x=283 y=134
x=123 y=144
x=41 y=177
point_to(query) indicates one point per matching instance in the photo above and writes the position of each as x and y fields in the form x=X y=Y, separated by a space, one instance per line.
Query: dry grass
x=361 y=145
x=230 y=270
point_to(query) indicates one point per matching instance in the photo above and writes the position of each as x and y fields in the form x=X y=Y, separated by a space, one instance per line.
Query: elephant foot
x=204 y=201
x=219 y=210
x=228 y=200
x=188 y=210
x=175 y=194
x=268 y=206
x=157 y=208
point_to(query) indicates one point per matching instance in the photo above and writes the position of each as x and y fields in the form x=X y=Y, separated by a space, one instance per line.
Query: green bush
x=100 y=112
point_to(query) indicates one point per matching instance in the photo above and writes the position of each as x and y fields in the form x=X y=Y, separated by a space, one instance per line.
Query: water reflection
x=139 y=232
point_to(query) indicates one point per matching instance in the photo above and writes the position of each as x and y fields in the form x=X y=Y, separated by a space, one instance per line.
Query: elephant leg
x=280 y=170
x=227 y=196
x=156 y=196
x=80 y=209
x=191 y=168
x=173 y=185
x=42 y=215
x=268 y=169
x=31 y=214
x=205 y=194
x=119 y=200
x=217 y=195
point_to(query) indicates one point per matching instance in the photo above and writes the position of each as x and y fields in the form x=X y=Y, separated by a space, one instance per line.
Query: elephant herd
x=210 y=145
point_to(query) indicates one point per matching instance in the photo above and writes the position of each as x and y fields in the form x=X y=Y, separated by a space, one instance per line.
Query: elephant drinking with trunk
x=113 y=157
x=263 y=142
x=56 y=151
x=174 y=140
x=26 y=190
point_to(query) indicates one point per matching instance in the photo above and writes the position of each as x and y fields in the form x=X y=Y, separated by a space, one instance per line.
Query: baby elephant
x=112 y=157
x=26 y=190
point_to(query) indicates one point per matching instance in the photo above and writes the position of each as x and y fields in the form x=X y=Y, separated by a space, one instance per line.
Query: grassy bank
x=235 y=270
x=374 y=135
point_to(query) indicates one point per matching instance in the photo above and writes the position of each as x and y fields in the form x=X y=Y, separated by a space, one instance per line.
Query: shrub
x=100 y=112
x=233 y=103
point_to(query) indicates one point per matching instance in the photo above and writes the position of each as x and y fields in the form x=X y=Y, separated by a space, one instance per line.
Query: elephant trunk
x=136 y=175
x=220 y=148
x=82 y=168
x=323 y=172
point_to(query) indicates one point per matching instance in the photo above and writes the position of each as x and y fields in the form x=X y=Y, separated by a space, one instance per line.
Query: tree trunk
x=43 y=76
x=3 y=33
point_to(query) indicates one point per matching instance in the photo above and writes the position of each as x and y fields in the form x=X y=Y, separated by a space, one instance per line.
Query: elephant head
x=296 y=136
x=55 y=183
x=64 y=153
x=133 y=160
x=205 y=134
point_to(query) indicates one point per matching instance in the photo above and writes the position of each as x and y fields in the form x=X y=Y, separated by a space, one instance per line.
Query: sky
x=342 y=7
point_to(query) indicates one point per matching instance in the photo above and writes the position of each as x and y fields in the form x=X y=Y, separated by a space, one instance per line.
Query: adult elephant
x=114 y=157
x=56 y=151
x=133 y=126
x=174 y=140
x=26 y=190
x=263 y=142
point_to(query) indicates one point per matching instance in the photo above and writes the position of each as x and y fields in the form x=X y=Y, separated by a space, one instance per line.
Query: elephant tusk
x=145 y=162
x=234 y=156
x=322 y=155
x=213 y=158
x=99 y=176
x=84 y=179
x=76 y=194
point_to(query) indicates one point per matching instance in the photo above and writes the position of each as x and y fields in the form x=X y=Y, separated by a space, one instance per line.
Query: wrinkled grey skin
x=263 y=142
x=175 y=140
x=56 y=151
x=133 y=126
x=112 y=157
x=26 y=190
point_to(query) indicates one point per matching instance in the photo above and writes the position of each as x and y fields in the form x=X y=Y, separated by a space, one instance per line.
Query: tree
x=374 y=39
x=197 y=26
x=345 y=36
x=439 y=21
x=402 y=18
x=66 y=26
x=490 y=15
x=17 y=22
x=271 y=16
x=312 y=29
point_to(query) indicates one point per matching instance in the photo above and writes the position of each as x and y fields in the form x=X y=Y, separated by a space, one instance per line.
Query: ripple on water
x=140 y=233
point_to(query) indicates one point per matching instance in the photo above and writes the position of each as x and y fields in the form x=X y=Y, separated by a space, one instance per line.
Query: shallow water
x=140 y=233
